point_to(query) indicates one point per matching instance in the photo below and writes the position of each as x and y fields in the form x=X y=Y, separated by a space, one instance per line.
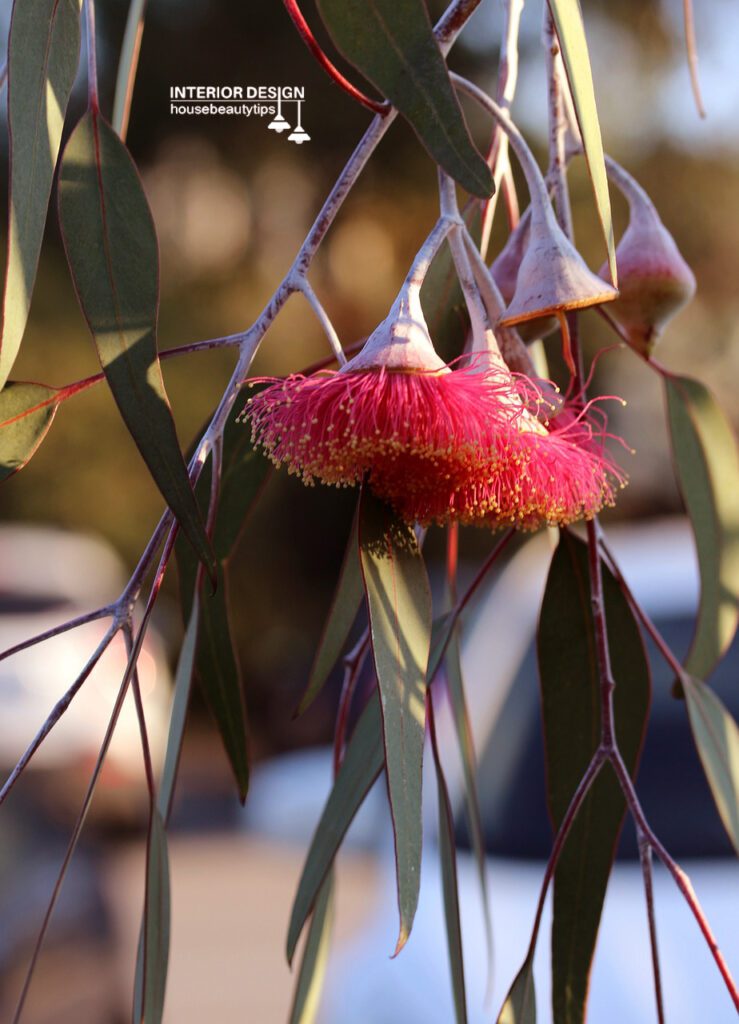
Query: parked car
x=365 y=986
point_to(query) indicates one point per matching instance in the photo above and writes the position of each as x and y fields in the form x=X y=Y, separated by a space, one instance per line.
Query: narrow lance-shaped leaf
x=399 y=604
x=449 y=881
x=345 y=605
x=315 y=959
x=151 y=965
x=43 y=54
x=705 y=456
x=362 y=764
x=112 y=252
x=27 y=411
x=574 y=47
x=393 y=45
x=520 y=1004
x=717 y=738
x=244 y=473
x=570 y=694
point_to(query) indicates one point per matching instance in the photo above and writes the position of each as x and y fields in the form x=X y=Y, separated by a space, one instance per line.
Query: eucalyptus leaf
x=520 y=1003
x=345 y=606
x=26 y=412
x=362 y=764
x=153 y=951
x=315 y=959
x=112 y=253
x=705 y=456
x=43 y=55
x=717 y=738
x=392 y=43
x=576 y=59
x=399 y=604
x=571 y=714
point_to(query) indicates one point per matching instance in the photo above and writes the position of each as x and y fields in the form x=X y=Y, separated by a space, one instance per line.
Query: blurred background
x=232 y=203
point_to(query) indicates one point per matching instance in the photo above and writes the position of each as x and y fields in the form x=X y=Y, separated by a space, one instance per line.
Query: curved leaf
x=315 y=958
x=153 y=952
x=345 y=605
x=26 y=413
x=393 y=45
x=399 y=604
x=574 y=48
x=520 y=1004
x=705 y=456
x=43 y=54
x=362 y=764
x=570 y=694
x=717 y=738
x=111 y=248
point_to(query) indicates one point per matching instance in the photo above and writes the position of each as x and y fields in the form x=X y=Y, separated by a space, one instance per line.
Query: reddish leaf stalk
x=306 y=34
x=692 y=49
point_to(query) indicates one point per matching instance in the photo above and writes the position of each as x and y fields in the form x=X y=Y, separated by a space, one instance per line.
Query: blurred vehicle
x=47 y=577
x=367 y=987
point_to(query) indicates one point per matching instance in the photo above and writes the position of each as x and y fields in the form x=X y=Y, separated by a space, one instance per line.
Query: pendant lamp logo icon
x=262 y=101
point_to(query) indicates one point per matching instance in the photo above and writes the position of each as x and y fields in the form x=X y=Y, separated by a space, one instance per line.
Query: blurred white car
x=46 y=577
x=365 y=986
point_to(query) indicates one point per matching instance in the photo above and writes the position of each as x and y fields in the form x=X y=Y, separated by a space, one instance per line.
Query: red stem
x=645 y=855
x=353 y=664
x=306 y=34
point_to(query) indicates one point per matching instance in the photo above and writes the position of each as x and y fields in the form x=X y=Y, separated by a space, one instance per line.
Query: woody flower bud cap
x=504 y=271
x=655 y=282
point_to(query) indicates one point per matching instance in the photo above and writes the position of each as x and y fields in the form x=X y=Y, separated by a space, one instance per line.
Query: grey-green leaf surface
x=112 y=253
x=705 y=457
x=717 y=738
x=362 y=764
x=576 y=59
x=315 y=959
x=345 y=605
x=520 y=1003
x=393 y=45
x=570 y=695
x=399 y=605
x=27 y=411
x=463 y=729
x=153 y=951
x=450 y=886
x=43 y=54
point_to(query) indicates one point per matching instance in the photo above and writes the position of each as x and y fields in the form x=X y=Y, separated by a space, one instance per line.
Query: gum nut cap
x=655 y=282
x=504 y=270
x=553 y=277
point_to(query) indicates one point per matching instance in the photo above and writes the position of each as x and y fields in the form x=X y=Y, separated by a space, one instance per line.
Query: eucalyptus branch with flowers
x=482 y=441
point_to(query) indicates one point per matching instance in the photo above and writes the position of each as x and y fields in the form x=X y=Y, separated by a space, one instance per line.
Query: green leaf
x=178 y=713
x=244 y=473
x=345 y=605
x=26 y=413
x=705 y=456
x=153 y=953
x=112 y=252
x=520 y=1004
x=315 y=959
x=574 y=47
x=43 y=54
x=393 y=46
x=570 y=693
x=463 y=729
x=399 y=604
x=717 y=738
x=449 y=882
x=362 y=764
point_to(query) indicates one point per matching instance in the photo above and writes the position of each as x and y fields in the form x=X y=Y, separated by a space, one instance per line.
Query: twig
x=557 y=172
x=81 y=620
x=329 y=330
x=645 y=856
x=692 y=48
x=353 y=664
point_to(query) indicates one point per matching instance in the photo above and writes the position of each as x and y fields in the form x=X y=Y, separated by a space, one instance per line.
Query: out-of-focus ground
x=232 y=203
